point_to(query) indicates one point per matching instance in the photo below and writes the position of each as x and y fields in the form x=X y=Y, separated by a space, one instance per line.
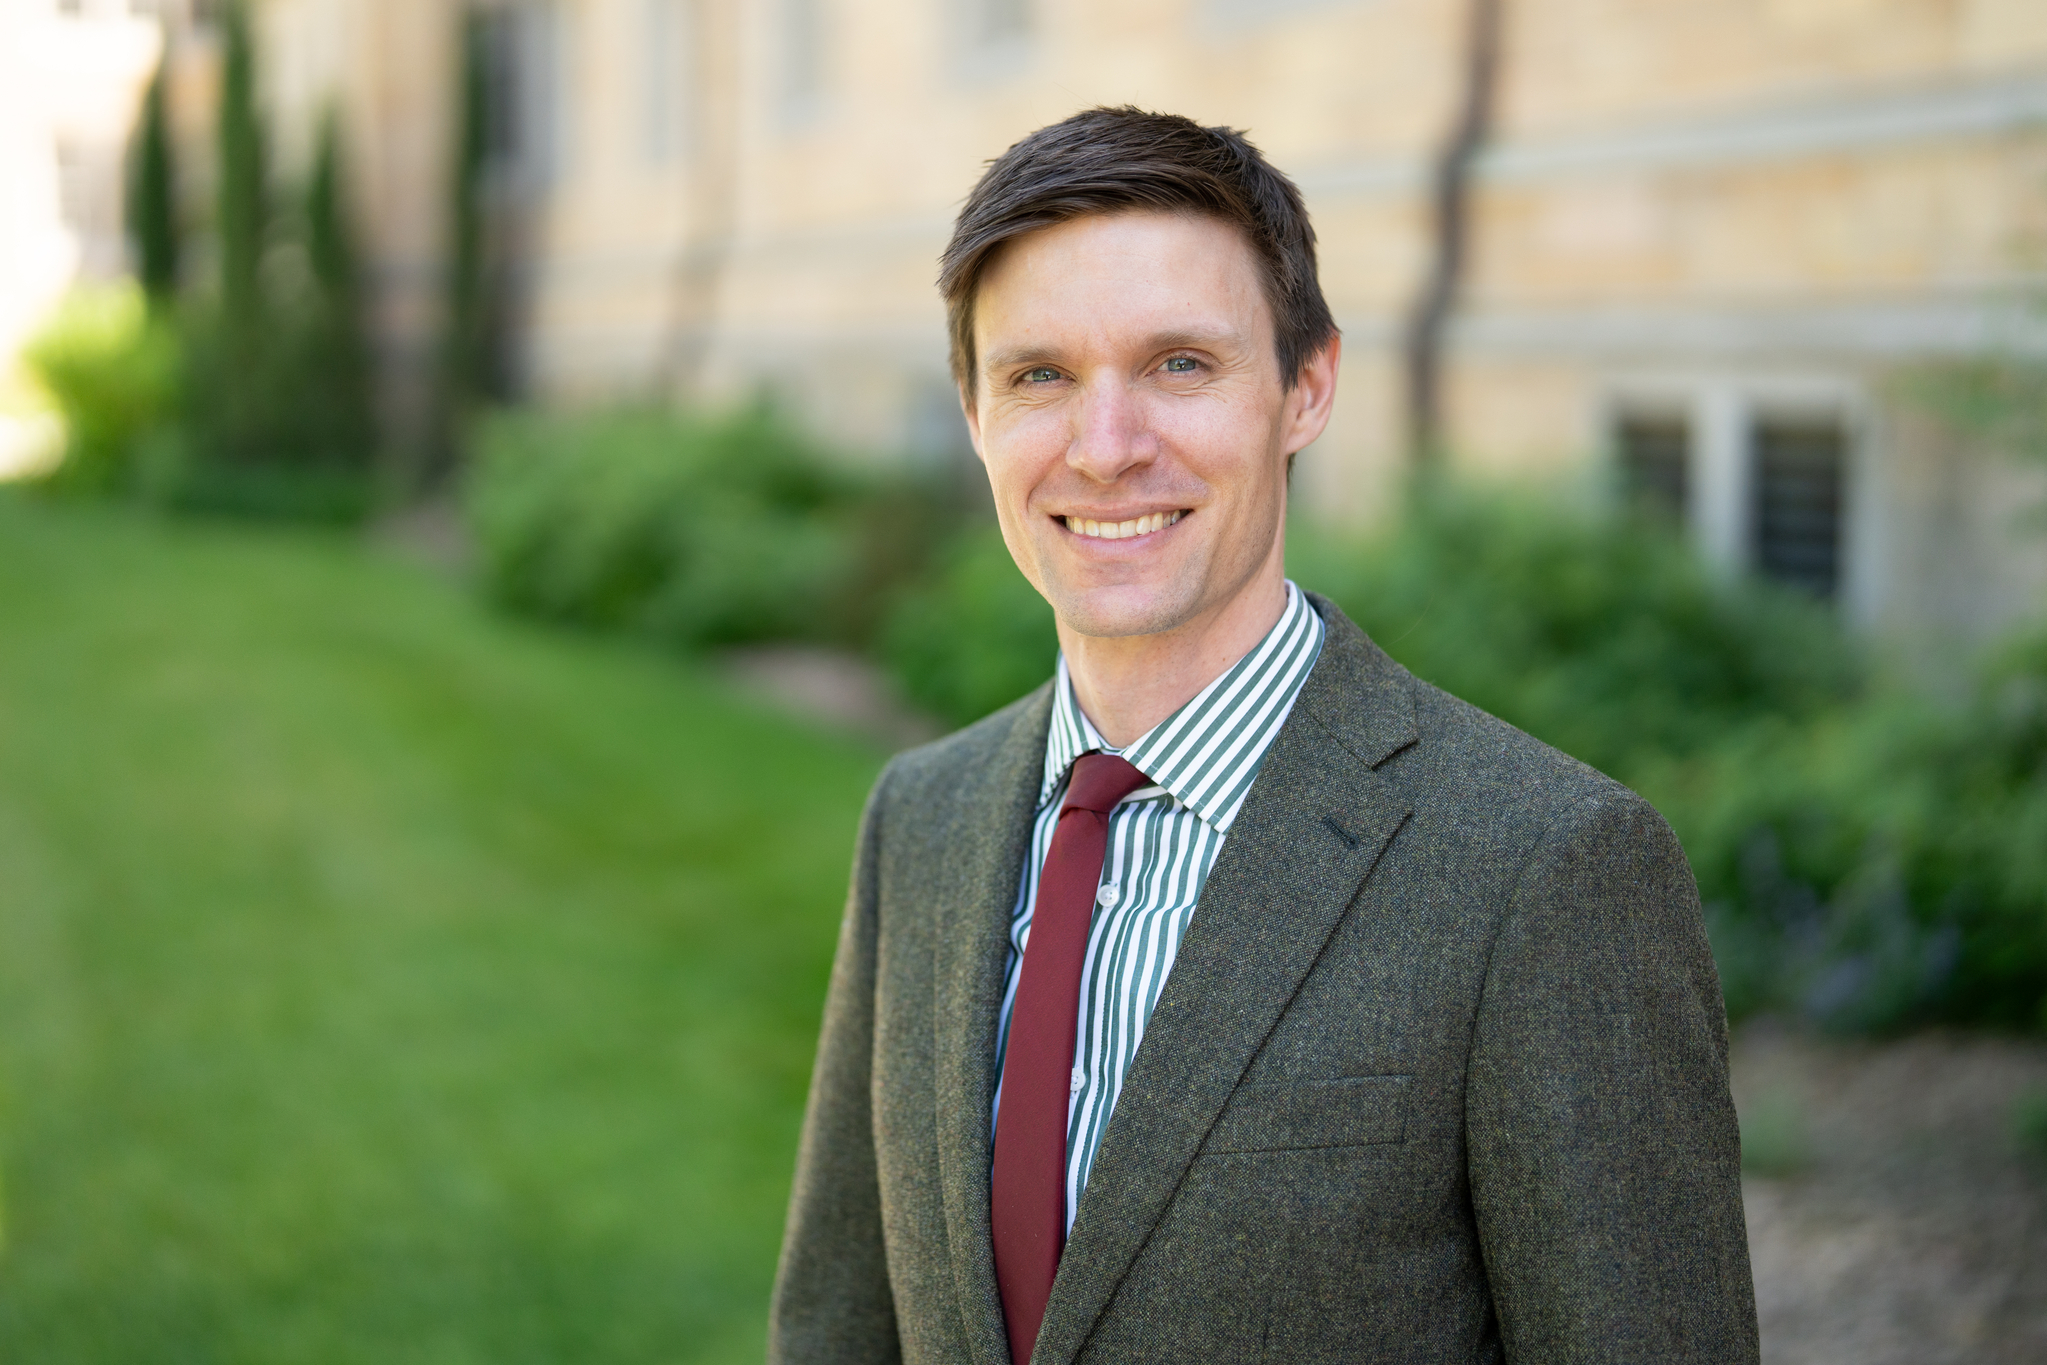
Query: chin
x=1116 y=613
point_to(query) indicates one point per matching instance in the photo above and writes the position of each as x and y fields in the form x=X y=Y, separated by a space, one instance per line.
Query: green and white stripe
x=1163 y=840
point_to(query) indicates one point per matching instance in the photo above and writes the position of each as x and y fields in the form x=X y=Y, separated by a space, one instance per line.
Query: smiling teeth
x=1121 y=530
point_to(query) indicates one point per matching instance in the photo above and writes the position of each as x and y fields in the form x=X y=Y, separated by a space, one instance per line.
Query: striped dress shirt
x=1163 y=839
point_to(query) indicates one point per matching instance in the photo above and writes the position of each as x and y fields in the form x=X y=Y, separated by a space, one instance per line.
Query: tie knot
x=1101 y=780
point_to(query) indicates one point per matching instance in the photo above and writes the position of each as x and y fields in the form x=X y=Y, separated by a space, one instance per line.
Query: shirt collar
x=1206 y=753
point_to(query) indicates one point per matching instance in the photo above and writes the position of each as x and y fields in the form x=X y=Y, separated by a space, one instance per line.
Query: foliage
x=2029 y=1124
x=2000 y=400
x=278 y=418
x=112 y=370
x=1869 y=860
x=242 y=222
x=975 y=636
x=251 y=397
x=1603 y=637
x=1886 y=865
x=152 y=201
x=380 y=980
x=467 y=377
x=699 y=530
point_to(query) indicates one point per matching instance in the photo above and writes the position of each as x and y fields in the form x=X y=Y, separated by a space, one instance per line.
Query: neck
x=1128 y=684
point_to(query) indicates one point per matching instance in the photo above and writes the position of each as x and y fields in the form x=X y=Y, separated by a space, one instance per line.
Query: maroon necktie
x=1029 y=1199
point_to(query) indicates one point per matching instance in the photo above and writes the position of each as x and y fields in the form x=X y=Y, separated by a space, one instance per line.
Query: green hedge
x=1885 y=865
x=1604 y=637
x=698 y=530
x=1869 y=860
x=972 y=637
x=112 y=369
x=156 y=408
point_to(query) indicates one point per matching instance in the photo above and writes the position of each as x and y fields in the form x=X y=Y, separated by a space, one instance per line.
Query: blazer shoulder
x=1507 y=778
x=935 y=776
x=1449 y=758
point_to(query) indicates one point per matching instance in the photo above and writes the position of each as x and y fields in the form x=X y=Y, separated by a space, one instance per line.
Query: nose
x=1111 y=433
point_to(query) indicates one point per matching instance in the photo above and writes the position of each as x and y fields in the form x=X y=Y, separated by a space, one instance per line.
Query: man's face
x=1130 y=413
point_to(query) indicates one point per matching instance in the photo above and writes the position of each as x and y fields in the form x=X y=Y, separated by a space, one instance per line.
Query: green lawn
x=381 y=981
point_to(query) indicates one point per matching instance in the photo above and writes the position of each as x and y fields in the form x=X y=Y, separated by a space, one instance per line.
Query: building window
x=803 y=52
x=516 y=55
x=1799 y=472
x=1653 y=454
x=994 y=23
x=664 y=80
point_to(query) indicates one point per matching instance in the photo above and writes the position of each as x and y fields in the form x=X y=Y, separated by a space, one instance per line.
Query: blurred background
x=481 y=497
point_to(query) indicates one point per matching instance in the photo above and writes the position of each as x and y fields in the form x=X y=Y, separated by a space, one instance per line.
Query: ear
x=1313 y=397
x=972 y=411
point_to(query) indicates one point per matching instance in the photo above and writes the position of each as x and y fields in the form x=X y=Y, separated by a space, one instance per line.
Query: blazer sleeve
x=1604 y=1155
x=832 y=1301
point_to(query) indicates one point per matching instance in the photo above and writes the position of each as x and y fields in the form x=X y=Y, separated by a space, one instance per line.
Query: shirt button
x=1107 y=897
x=1079 y=1080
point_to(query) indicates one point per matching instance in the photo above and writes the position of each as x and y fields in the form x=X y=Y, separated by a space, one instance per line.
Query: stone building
x=71 y=76
x=1706 y=237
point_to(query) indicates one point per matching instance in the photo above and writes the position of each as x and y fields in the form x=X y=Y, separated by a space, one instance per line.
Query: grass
x=380 y=981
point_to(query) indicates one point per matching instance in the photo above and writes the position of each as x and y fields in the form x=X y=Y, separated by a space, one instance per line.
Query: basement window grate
x=1799 y=475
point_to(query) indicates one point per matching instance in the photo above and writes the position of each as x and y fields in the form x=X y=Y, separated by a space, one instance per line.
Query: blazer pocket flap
x=1276 y=1117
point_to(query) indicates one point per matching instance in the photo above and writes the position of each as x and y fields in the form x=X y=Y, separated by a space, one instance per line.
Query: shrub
x=1887 y=865
x=697 y=530
x=250 y=397
x=1603 y=637
x=112 y=370
x=156 y=406
x=1869 y=861
x=975 y=636
x=2029 y=1124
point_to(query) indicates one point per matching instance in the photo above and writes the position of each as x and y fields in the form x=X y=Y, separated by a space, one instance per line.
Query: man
x=1237 y=996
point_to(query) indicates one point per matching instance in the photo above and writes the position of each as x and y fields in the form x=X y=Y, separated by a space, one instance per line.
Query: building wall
x=1729 y=212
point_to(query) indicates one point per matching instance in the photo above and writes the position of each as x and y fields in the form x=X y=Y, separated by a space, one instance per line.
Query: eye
x=1182 y=364
x=1043 y=374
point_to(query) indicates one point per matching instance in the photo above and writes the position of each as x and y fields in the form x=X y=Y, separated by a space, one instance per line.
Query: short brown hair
x=1110 y=160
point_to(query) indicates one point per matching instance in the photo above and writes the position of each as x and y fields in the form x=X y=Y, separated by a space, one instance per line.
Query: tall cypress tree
x=340 y=370
x=153 y=198
x=244 y=208
x=467 y=362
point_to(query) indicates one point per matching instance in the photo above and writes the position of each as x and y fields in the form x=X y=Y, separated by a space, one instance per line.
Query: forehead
x=1108 y=275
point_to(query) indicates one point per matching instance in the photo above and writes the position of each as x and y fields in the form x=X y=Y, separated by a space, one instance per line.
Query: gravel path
x=1897 y=1217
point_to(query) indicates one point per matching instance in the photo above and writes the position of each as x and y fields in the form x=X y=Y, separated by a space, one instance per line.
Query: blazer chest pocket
x=1282 y=1116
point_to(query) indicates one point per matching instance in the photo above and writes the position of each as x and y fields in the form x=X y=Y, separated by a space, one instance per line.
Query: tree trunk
x=1451 y=210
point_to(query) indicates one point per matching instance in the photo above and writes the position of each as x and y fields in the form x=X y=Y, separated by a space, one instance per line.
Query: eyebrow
x=1221 y=337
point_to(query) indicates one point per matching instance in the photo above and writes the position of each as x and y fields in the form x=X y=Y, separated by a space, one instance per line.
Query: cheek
x=1228 y=446
x=1021 y=446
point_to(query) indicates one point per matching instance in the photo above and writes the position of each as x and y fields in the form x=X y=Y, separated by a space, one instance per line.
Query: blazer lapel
x=1314 y=825
x=992 y=830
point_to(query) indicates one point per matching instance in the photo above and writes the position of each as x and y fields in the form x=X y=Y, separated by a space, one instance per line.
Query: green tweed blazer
x=1440 y=1073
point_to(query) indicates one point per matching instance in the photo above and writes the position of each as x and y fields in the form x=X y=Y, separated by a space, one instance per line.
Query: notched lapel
x=1310 y=833
x=991 y=837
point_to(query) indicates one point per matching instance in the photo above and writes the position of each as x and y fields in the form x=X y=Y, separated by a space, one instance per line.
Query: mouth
x=1122 y=530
